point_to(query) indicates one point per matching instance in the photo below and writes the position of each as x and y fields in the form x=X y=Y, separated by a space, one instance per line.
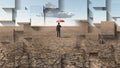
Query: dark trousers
x=58 y=34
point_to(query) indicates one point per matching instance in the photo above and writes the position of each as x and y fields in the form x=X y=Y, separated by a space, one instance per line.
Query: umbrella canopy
x=60 y=20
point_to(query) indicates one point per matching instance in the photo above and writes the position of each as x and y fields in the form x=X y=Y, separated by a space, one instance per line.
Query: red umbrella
x=60 y=20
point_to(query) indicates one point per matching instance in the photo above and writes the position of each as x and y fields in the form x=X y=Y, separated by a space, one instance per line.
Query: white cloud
x=55 y=12
x=64 y=14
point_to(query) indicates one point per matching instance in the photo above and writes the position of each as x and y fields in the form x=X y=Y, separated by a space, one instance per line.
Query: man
x=58 y=29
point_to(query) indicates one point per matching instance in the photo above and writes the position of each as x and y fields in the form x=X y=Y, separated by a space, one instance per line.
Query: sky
x=77 y=7
x=35 y=7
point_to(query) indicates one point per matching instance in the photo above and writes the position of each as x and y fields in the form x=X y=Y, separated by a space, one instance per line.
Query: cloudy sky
x=75 y=7
x=73 y=10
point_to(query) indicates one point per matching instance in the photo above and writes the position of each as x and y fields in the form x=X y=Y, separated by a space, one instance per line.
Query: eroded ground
x=40 y=48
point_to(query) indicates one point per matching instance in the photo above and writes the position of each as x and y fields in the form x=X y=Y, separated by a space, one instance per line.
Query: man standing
x=58 y=29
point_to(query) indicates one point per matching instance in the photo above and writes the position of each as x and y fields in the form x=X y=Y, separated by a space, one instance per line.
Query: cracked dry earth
x=44 y=50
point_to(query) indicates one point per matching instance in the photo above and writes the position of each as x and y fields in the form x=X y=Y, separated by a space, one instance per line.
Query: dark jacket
x=58 y=27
